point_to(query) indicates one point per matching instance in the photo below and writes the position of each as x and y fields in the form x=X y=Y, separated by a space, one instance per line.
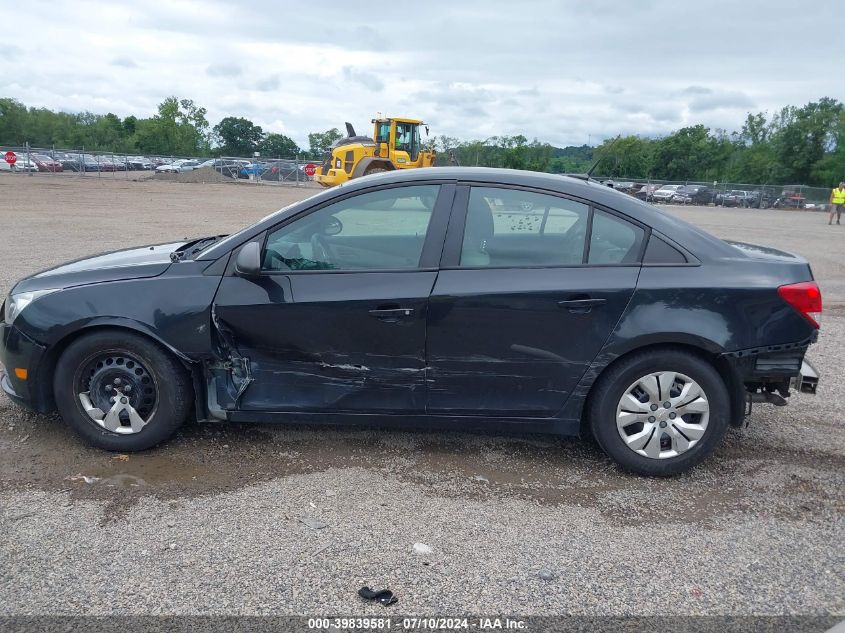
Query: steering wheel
x=320 y=249
x=273 y=260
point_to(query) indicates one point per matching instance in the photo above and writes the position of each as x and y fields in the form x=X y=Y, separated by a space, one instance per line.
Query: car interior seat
x=477 y=233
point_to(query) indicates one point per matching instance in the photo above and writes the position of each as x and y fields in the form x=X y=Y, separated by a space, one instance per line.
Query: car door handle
x=581 y=306
x=391 y=315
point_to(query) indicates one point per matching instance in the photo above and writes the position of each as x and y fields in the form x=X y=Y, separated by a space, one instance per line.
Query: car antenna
x=589 y=174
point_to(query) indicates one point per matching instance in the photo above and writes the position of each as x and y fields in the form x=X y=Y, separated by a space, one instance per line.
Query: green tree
x=803 y=136
x=319 y=142
x=830 y=170
x=13 y=117
x=692 y=153
x=279 y=145
x=626 y=157
x=180 y=128
x=238 y=136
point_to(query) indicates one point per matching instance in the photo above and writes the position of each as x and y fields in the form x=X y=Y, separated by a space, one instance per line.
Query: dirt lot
x=212 y=522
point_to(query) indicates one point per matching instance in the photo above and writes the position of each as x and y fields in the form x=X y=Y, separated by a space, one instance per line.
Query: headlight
x=17 y=302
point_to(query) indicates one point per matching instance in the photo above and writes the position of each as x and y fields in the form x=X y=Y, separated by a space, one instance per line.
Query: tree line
x=797 y=144
x=179 y=128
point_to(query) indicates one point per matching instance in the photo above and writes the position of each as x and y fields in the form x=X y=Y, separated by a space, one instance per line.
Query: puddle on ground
x=209 y=459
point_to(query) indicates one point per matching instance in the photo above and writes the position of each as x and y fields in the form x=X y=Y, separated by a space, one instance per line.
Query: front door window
x=380 y=230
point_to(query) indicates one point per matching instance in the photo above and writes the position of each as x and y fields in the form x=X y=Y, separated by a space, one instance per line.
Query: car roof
x=688 y=235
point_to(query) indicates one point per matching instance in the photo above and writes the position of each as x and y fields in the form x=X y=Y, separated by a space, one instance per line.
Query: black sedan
x=461 y=297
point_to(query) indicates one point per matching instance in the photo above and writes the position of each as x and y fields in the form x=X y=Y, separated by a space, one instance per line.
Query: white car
x=21 y=164
x=178 y=166
x=665 y=193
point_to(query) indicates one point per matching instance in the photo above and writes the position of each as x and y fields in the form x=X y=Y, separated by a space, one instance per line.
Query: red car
x=45 y=163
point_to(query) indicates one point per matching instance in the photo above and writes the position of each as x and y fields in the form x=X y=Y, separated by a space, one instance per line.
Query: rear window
x=660 y=252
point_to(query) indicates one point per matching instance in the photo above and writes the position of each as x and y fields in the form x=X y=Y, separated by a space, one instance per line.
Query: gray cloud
x=697 y=90
x=715 y=101
x=562 y=72
x=268 y=84
x=125 y=62
x=366 y=79
x=224 y=69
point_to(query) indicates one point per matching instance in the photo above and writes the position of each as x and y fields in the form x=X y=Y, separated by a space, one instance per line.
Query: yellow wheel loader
x=395 y=144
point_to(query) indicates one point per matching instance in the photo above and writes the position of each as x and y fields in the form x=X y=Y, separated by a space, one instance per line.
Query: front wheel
x=120 y=391
x=659 y=412
x=374 y=170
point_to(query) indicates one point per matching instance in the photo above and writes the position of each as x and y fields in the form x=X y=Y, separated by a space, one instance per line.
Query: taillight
x=806 y=298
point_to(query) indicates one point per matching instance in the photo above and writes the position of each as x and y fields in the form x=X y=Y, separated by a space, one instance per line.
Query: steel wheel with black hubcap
x=121 y=391
x=117 y=392
x=659 y=412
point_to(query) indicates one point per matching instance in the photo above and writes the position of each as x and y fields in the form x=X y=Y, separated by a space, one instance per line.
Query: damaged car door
x=334 y=319
x=530 y=287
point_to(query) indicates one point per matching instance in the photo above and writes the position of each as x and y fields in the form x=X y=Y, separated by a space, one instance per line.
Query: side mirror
x=248 y=263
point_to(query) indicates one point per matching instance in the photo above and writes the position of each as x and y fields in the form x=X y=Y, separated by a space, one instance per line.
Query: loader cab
x=398 y=140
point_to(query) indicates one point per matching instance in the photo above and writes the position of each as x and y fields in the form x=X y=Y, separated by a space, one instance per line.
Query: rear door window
x=614 y=240
x=512 y=228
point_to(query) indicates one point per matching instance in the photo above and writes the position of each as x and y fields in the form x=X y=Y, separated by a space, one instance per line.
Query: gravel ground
x=213 y=522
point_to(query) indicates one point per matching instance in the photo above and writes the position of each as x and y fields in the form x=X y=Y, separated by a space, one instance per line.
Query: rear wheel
x=659 y=412
x=121 y=391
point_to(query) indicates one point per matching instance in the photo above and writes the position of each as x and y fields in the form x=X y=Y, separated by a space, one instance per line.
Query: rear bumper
x=767 y=374
x=807 y=380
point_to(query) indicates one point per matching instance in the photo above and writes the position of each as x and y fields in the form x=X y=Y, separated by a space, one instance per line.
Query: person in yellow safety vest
x=837 y=202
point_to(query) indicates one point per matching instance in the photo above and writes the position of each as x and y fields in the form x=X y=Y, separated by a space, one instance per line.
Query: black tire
x=172 y=384
x=609 y=389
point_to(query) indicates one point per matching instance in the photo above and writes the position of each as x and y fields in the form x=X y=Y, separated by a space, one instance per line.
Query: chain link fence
x=55 y=162
x=727 y=194
x=295 y=171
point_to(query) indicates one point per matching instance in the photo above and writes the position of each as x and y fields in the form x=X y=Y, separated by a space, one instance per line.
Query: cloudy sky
x=563 y=72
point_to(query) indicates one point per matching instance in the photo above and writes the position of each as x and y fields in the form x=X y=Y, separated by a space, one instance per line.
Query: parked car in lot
x=664 y=193
x=253 y=169
x=46 y=163
x=409 y=297
x=138 y=163
x=21 y=164
x=790 y=199
x=283 y=170
x=91 y=163
x=694 y=194
x=759 y=199
x=733 y=198
x=646 y=192
x=70 y=161
x=177 y=166
x=227 y=166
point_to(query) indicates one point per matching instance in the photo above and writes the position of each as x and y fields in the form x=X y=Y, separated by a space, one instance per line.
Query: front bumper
x=19 y=352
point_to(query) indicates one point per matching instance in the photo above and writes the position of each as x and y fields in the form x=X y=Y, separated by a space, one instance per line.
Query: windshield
x=234 y=237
